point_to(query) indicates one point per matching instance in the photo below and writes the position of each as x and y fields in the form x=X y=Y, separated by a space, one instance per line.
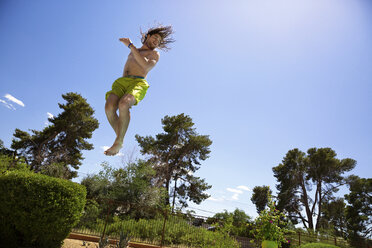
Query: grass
x=318 y=245
x=307 y=239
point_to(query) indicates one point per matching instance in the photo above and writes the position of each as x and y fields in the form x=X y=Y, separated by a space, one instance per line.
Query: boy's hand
x=126 y=41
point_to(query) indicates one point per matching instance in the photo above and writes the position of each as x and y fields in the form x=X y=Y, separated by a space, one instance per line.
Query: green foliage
x=270 y=224
x=90 y=214
x=322 y=236
x=226 y=226
x=8 y=163
x=234 y=223
x=60 y=143
x=123 y=241
x=58 y=170
x=334 y=218
x=359 y=210
x=259 y=197
x=129 y=189
x=37 y=210
x=299 y=173
x=318 y=245
x=176 y=156
x=178 y=232
x=4 y=150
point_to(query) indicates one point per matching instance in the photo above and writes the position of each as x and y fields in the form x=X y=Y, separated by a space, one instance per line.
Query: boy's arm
x=147 y=62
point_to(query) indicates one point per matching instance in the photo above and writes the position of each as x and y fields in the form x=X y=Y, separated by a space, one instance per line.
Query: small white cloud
x=8 y=105
x=49 y=116
x=104 y=148
x=242 y=187
x=236 y=191
x=235 y=197
x=220 y=199
x=15 y=100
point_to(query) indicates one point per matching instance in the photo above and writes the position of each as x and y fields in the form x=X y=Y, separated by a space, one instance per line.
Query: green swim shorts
x=136 y=86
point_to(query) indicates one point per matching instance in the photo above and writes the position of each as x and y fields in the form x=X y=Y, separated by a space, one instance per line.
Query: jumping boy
x=130 y=89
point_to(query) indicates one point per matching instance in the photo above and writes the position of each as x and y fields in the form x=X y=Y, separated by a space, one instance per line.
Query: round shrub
x=37 y=210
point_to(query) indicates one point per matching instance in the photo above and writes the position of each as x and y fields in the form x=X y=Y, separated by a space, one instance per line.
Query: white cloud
x=236 y=191
x=104 y=148
x=220 y=199
x=242 y=187
x=8 y=105
x=49 y=116
x=15 y=100
x=235 y=196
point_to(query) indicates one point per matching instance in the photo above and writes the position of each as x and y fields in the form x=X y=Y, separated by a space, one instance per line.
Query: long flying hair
x=165 y=33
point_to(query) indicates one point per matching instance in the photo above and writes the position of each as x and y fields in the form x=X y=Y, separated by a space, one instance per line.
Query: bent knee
x=126 y=102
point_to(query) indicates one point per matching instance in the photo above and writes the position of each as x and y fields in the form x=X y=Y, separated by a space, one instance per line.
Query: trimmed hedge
x=37 y=210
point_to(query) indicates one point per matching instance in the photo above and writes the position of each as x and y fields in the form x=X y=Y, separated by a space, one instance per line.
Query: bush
x=318 y=245
x=37 y=210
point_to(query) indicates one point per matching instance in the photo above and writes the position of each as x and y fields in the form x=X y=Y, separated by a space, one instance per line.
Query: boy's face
x=153 y=41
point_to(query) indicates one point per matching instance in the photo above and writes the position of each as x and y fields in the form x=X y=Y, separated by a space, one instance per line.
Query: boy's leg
x=125 y=103
x=110 y=108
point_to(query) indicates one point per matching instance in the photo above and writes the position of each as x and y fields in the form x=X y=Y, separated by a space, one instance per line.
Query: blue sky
x=260 y=77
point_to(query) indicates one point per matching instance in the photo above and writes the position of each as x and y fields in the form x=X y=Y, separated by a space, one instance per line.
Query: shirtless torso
x=132 y=67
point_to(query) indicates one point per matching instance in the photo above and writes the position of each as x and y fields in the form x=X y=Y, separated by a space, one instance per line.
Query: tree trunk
x=166 y=201
x=319 y=205
x=309 y=214
x=174 y=194
x=39 y=158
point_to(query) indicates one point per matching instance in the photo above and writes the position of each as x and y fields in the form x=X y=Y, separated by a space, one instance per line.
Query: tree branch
x=38 y=157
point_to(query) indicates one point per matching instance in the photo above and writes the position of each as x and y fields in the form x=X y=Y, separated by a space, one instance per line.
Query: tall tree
x=359 y=209
x=299 y=174
x=62 y=141
x=176 y=156
x=260 y=197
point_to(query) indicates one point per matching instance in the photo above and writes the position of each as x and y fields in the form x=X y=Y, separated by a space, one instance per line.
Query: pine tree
x=60 y=144
x=176 y=156
x=299 y=173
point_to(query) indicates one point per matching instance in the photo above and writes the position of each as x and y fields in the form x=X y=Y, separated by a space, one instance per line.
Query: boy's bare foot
x=114 y=149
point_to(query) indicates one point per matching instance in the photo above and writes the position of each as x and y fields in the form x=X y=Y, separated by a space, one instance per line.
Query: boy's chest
x=142 y=53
